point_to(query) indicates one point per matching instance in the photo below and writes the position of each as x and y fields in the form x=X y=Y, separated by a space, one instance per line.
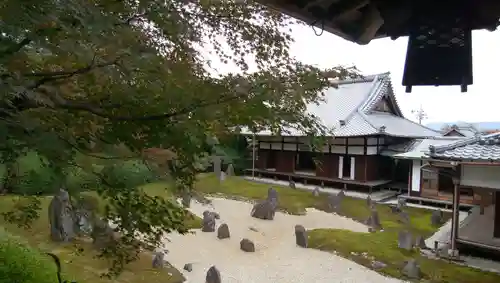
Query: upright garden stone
x=188 y=267
x=272 y=194
x=316 y=192
x=404 y=217
x=61 y=217
x=223 y=231
x=230 y=170
x=369 y=201
x=300 y=236
x=401 y=203
x=247 y=246
x=217 y=162
x=214 y=214
x=208 y=222
x=437 y=217
x=335 y=202
x=84 y=221
x=420 y=243
x=222 y=176
x=264 y=210
x=374 y=220
x=291 y=184
x=158 y=259
x=405 y=240
x=186 y=198
x=213 y=275
x=411 y=269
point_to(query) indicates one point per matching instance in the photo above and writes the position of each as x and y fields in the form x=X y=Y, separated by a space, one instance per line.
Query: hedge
x=20 y=263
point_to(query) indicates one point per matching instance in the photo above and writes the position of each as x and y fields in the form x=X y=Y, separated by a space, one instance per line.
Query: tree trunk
x=9 y=178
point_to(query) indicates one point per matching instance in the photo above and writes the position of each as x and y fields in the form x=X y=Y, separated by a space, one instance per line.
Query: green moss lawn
x=381 y=246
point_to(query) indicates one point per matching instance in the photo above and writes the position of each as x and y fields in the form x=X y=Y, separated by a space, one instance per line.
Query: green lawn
x=381 y=246
x=82 y=266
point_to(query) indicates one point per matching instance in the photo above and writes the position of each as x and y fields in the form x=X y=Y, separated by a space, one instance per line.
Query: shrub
x=21 y=264
x=128 y=174
x=78 y=180
x=34 y=176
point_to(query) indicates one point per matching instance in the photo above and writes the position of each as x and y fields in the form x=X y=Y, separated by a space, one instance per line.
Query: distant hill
x=481 y=126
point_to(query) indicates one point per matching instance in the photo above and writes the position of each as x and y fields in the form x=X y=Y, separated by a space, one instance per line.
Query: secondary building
x=472 y=168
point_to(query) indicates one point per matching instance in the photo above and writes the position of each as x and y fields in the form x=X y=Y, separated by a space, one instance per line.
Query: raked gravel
x=276 y=260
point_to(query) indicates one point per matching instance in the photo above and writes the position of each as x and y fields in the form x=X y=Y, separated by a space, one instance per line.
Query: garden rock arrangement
x=223 y=232
x=405 y=240
x=61 y=217
x=247 y=246
x=268 y=253
x=300 y=236
x=411 y=269
x=213 y=275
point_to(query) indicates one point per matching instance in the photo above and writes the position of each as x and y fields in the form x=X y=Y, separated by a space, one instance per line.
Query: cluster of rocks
x=67 y=220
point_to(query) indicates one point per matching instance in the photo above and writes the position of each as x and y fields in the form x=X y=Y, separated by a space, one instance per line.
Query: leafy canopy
x=78 y=74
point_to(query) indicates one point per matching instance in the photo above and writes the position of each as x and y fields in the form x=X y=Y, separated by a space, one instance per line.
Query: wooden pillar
x=455 y=217
x=496 y=217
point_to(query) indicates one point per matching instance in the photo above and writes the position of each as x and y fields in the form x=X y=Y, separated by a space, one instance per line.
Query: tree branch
x=16 y=47
x=70 y=105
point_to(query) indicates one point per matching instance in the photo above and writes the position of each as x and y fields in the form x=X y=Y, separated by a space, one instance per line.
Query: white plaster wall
x=481 y=176
x=337 y=149
x=415 y=175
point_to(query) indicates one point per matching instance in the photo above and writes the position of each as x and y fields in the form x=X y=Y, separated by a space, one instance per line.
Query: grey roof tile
x=481 y=148
x=420 y=147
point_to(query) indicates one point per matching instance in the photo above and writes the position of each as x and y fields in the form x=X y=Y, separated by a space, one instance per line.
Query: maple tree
x=78 y=74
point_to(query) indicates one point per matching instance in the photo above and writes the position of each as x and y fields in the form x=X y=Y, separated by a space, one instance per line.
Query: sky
x=441 y=104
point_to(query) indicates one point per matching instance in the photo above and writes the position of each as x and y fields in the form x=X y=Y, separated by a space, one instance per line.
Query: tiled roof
x=419 y=147
x=349 y=110
x=480 y=148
